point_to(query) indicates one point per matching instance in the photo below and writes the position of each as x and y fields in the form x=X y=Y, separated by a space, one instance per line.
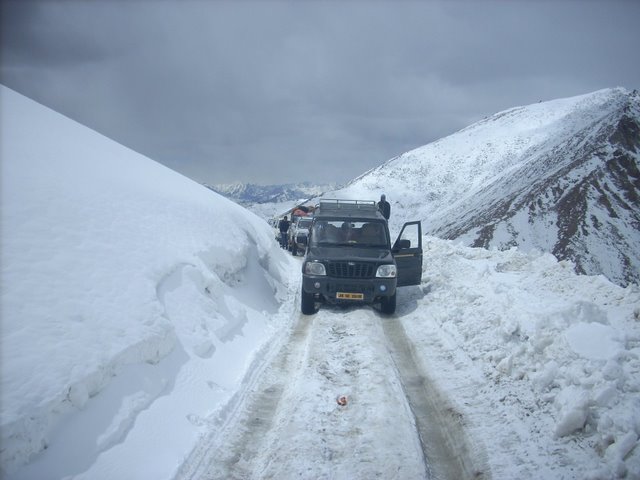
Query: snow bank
x=129 y=293
x=543 y=363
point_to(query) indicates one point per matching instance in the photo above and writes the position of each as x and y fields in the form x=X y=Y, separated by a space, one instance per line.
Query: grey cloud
x=291 y=91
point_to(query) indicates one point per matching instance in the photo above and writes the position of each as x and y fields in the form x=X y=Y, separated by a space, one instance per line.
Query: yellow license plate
x=349 y=296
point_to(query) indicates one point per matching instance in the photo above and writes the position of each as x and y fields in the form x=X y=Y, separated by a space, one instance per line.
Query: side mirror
x=404 y=243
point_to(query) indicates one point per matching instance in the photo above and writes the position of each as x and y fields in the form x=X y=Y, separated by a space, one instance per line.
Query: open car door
x=407 y=250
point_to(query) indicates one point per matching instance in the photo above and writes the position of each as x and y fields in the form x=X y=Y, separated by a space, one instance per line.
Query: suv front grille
x=365 y=288
x=351 y=270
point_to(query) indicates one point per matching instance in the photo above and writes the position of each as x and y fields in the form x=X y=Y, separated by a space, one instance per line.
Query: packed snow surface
x=141 y=314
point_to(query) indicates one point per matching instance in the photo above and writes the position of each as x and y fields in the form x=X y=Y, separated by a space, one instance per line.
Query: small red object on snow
x=342 y=400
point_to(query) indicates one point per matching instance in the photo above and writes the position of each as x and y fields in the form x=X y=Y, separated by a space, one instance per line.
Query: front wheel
x=388 y=304
x=307 y=303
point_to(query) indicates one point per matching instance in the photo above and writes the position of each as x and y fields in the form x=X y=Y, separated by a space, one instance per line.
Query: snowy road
x=288 y=424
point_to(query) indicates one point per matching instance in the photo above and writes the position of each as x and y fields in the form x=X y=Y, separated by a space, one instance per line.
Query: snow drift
x=540 y=363
x=119 y=277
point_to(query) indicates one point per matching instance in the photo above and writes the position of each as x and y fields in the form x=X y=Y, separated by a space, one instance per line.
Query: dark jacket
x=283 y=225
x=385 y=208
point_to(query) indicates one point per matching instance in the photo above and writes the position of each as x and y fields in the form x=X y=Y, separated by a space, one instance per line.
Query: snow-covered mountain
x=249 y=193
x=561 y=176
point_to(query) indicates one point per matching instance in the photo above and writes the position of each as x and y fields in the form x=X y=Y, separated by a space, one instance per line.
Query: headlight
x=314 y=268
x=386 y=271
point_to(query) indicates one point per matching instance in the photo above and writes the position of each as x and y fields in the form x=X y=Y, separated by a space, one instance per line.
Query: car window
x=356 y=233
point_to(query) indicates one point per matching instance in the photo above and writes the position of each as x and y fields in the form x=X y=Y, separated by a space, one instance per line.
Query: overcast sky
x=290 y=91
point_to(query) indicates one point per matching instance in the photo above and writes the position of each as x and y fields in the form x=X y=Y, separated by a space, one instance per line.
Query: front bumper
x=329 y=288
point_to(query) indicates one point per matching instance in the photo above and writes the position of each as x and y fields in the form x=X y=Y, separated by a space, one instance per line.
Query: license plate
x=349 y=296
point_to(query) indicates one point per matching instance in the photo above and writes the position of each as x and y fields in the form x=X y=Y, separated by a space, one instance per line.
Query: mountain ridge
x=560 y=176
x=250 y=193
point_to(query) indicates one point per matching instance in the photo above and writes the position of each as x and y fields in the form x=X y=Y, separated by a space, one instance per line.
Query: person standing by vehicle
x=384 y=207
x=283 y=226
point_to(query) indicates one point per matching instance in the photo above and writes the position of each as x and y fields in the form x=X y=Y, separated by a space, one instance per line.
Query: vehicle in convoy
x=298 y=234
x=350 y=258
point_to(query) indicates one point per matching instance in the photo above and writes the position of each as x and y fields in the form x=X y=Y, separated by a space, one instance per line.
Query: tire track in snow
x=287 y=423
x=373 y=436
x=291 y=425
x=223 y=453
x=234 y=457
x=450 y=453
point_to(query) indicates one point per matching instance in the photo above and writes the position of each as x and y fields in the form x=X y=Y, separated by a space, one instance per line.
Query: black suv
x=349 y=257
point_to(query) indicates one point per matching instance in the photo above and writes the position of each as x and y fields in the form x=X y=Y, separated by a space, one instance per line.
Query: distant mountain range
x=560 y=176
x=248 y=193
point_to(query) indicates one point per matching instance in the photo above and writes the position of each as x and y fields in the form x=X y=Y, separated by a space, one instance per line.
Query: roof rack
x=336 y=206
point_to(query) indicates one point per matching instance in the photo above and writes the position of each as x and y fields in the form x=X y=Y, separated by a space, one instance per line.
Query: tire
x=388 y=305
x=307 y=303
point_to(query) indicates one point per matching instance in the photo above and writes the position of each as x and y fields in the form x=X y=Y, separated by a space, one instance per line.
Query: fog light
x=317 y=284
x=383 y=288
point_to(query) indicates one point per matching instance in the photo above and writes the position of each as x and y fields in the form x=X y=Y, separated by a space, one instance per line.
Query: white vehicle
x=298 y=234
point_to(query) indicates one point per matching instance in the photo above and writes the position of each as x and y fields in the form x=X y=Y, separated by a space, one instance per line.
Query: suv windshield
x=304 y=223
x=362 y=233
